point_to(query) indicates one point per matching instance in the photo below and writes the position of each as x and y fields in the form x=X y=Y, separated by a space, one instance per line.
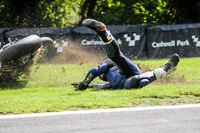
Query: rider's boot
x=172 y=63
x=100 y=28
x=168 y=67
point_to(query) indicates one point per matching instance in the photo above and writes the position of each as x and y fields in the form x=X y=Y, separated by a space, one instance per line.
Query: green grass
x=49 y=89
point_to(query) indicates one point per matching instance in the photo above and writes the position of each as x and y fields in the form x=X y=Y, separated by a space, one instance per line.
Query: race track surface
x=164 y=119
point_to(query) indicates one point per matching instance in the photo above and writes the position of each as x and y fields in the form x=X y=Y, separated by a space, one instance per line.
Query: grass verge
x=49 y=89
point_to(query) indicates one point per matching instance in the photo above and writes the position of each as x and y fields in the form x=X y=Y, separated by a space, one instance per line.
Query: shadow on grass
x=111 y=89
x=13 y=85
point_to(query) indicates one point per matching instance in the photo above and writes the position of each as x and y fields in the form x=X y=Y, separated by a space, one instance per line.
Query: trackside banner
x=131 y=39
x=164 y=40
x=139 y=41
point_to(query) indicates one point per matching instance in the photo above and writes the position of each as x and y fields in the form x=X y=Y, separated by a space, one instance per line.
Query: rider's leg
x=127 y=67
x=143 y=79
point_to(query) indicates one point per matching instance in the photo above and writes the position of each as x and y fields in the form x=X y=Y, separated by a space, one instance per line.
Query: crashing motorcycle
x=16 y=57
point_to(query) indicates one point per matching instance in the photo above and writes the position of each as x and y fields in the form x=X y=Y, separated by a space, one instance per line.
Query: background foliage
x=62 y=13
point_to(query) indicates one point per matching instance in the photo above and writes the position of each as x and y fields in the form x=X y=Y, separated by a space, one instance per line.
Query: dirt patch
x=173 y=79
x=144 y=68
x=73 y=53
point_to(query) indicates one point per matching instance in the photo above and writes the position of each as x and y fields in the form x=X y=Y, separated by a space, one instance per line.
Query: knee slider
x=143 y=82
x=132 y=82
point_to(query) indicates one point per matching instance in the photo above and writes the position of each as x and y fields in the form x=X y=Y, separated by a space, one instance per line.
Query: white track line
x=99 y=111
